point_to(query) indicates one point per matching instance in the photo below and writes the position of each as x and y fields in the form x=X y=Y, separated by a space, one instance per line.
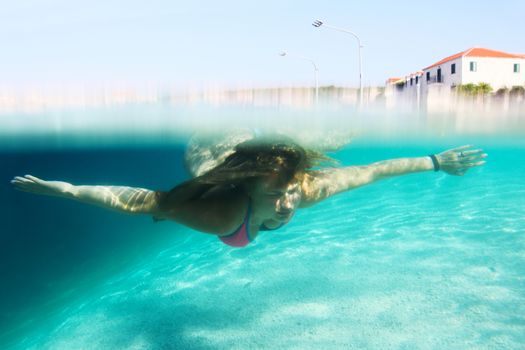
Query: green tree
x=473 y=89
x=517 y=91
x=467 y=89
x=502 y=91
x=484 y=88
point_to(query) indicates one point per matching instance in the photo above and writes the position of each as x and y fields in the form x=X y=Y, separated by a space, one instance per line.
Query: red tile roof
x=393 y=80
x=476 y=52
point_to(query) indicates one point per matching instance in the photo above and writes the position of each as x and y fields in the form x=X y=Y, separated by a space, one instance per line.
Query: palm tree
x=484 y=88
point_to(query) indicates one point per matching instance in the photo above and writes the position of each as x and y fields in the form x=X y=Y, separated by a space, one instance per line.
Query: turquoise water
x=424 y=261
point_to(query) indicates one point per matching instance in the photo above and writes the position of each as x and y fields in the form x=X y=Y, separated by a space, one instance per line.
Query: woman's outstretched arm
x=215 y=213
x=121 y=198
x=319 y=185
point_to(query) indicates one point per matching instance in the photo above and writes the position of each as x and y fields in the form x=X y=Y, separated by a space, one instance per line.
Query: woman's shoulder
x=229 y=208
x=315 y=186
x=309 y=180
x=218 y=210
x=224 y=209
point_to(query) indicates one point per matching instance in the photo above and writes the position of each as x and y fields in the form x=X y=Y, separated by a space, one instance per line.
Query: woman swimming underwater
x=257 y=187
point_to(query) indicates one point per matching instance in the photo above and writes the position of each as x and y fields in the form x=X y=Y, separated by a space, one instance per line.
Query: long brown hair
x=252 y=159
x=263 y=157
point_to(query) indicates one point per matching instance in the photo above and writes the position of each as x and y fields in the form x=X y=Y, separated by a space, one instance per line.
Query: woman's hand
x=458 y=160
x=32 y=184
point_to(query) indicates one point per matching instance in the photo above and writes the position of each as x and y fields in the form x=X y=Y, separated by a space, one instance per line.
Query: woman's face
x=277 y=200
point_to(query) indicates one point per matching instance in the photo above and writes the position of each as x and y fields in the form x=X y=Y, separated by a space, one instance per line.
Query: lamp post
x=316 y=70
x=318 y=23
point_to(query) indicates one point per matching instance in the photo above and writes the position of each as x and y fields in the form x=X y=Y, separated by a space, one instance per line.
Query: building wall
x=410 y=93
x=498 y=72
x=448 y=79
x=454 y=79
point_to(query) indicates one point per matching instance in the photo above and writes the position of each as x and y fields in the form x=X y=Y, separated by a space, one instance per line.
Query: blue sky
x=237 y=43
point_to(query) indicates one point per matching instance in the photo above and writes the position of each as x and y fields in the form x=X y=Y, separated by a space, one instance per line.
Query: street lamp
x=318 y=23
x=284 y=53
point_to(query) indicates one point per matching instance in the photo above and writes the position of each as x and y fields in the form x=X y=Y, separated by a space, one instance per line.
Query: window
x=473 y=66
x=516 y=67
x=453 y=68
x=428 y=76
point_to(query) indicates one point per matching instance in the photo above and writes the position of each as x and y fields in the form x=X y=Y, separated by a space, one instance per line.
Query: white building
x=477 y=65
x=473 y=66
